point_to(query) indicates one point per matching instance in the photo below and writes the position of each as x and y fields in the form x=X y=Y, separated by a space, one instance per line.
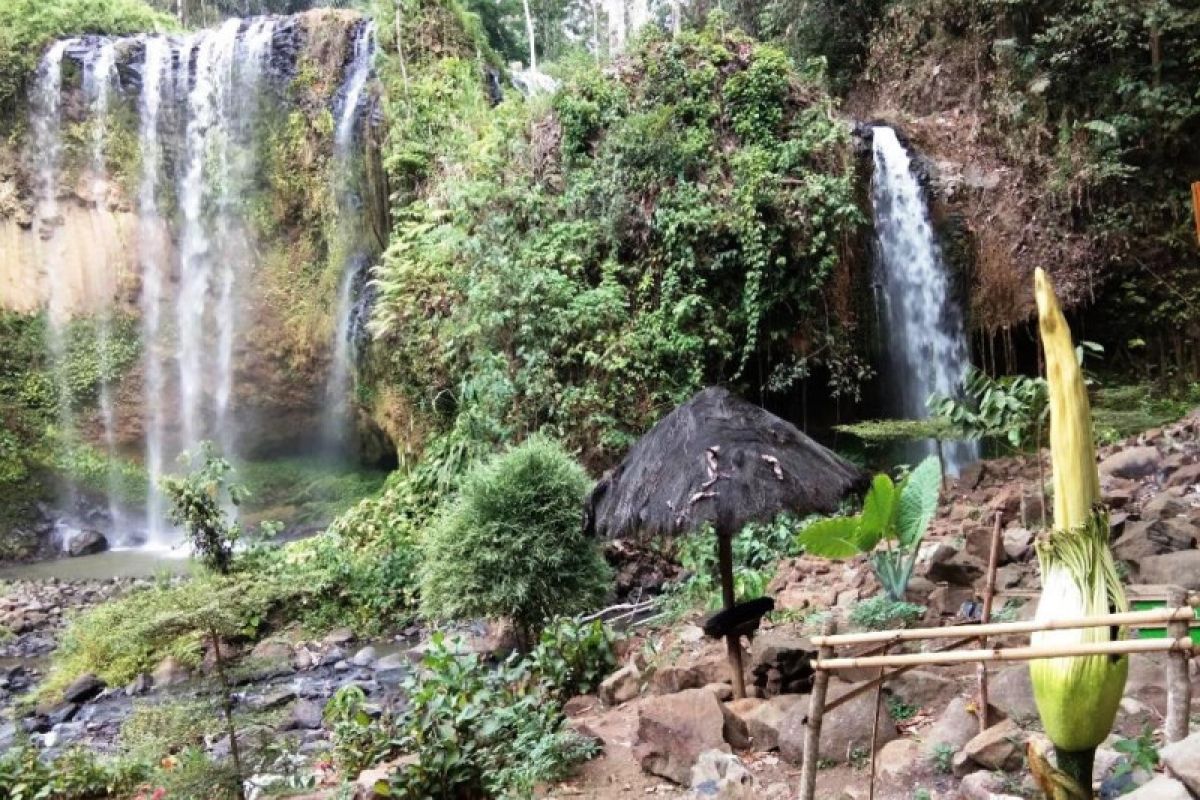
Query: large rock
x=923 y=689
x=781 y=663
x=87 y=543
x=954 y=728
x=845 y=729
x=1161 y=788
x=1180 y=569
x=1154 y=537
x=984 y=786
x=673 y=730
x=1133 y=462
x=764 y=718
x=1000 y=747
x=721 y=776
x=272 y=650
x=83 y=688
x=898 y=759
x=620 y=687
x=1182 y=759
x=1011 y=692
x=170 y=672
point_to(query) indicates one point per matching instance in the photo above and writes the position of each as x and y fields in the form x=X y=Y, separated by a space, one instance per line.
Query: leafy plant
x=894 y=515
x=512 y=545
x=943 y=757
x=1012 y=409
x=882 y=612
x=198 y=504
x=1140 y=752
x=900 y=710
x=359 y=740
x=573 y=657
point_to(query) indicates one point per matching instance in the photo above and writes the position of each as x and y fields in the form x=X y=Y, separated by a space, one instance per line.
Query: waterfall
x=355 y=261
x=98 y=75
x=922 y=323
x=46 y=124
x=152 y=254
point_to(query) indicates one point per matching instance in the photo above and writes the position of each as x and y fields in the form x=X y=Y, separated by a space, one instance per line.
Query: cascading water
x=922 y=329
x=202 y=102
x=349 y=234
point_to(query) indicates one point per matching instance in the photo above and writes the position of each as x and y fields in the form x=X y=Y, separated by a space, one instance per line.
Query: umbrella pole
x=732 y=645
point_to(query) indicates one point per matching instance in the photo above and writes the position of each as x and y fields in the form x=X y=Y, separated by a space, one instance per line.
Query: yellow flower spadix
x=1077 y=697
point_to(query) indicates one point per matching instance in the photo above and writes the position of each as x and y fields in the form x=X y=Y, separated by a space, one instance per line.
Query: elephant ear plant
x=1077 y=697
x=894 y=516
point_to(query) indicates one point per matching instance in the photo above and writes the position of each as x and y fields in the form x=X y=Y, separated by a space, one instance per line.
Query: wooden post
x=816 y=713
x=733 y=646
x=1196 y=207
x=989 y=591
x=875 y=734
x=1179 y=685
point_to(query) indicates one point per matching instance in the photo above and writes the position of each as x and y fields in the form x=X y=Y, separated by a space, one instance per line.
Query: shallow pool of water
x=141 y=563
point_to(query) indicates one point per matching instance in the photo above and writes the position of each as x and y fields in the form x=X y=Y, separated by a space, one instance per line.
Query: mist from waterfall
x=199 y=98
x=922 y=322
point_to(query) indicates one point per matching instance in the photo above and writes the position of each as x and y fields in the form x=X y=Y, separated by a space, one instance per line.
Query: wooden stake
x=816 y=714
x=1011 y=654
x=1196 y=207
x=989 y=590
x=1128 y=618
x=733 y=646
x=1179 y=685
x=875 y=733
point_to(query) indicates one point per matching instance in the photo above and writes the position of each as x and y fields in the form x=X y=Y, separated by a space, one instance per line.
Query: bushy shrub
x=77 y=774
x=881 y=613
x=573 y=657
x=512 y=545
x=358 y=740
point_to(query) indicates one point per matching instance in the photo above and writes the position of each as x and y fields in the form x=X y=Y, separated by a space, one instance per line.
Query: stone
x=620 y=687
x=1000 y=747
x=1011 y=692
x=1132 y=462
x=734 y=729
x=945 y=601
x=781 y=663
x=63 y=712
x=673 y=730
x=723 y=691
x=338 y=637
x=83 y=688
x=1182 y=760
x=1160 y=788
x=1169 y=503
x=923 y=688
x=764 y=718
x=672 y=679
x=1145 y=682
x=272 y=650
x=170 y=672
x=984 y=786
x=586 y=732
x=1188 y=475
x=956 y=726
x=364 y=657
x=303 y=715
x=845 y=729
x=1181 y=569
x=579 y=705
x=274 y=699
x=391 y=661
x=1154 y=537
x=1018 y=543
x=721 y=776
x=87 y=543
x=963 y=569
x=898 y=758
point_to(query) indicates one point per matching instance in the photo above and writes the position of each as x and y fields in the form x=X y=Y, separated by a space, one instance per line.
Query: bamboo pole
x=871 y=684
x=875 y=733
x=816 y=714
x=989 y=590
x=1011 y=654
x=1179 y=685
x=1128 y=618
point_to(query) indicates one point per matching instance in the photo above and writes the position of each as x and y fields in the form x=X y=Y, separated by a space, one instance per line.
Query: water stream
x=922 y=321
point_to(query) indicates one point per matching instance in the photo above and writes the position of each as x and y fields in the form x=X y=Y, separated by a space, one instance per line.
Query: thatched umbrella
x=720 y=459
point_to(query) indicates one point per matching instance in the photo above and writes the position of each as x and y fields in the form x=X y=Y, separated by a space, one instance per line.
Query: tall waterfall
x=347 y=190
x=199 y=100
x=922 y=328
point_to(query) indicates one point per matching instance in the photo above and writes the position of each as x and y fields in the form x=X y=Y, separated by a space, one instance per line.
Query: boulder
x=898 y=758
x=845 y=729
x=271 y=650
x=954 y=728
x=303 y=715
x=1182 y=760
x=721 y=776
x=672 y=679
x=1188 y=475
x=1132 y=462
x=984 y=786
x=87 y=543
x=1011 y=692
x=923 y=689
x=781 y=663
x=620 y=687
x=1018 y=543
x=1000 y=747
x=1154 y=537
x=1160 y=788
x=365 y=657
x=673 y=730
x=962 y=569
x=1181 y=569
x=83 y=688
x=169 y=672
x=764 y=718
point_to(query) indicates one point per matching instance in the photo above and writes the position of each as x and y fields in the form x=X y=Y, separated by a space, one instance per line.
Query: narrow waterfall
x=208 y=107
x=922 y=321
x=152 y=253
x=349 y=242
x=99 y=71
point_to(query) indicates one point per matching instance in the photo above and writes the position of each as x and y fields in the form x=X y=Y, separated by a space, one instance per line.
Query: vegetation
x=512 y=544
x=883 y=613
x=198 y=504
x=895 y=515
x=757 y=549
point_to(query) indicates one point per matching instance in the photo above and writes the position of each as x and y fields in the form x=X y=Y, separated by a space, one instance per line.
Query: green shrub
x=198 y=501
x=481 y=732
x=572 y=657
x=512 y=545
x=358 y=740
x=881 y=613
x=77 y=774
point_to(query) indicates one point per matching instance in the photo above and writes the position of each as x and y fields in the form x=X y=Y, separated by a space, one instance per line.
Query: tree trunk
x=227 y=708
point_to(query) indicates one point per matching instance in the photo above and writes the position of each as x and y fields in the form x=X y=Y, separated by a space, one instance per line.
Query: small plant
x=860 y=757
x=943 y=758
x=922 y=794
x=573 y=657
x=900 y=710
x=358 y=740
x=894 y=515
x=1140 y=752
x=198 y=504
x=882 y=613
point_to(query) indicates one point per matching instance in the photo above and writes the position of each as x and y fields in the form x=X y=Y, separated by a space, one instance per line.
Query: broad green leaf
x=875 y=522
x=835 y=537
x=918 y=501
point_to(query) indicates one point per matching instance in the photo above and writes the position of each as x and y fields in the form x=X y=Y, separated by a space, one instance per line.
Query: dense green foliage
x=581 y=264
x=895 y=515
x=512 y=544
x=77 y=774
x=756 y=550
x=199 y=502
x=27 y=26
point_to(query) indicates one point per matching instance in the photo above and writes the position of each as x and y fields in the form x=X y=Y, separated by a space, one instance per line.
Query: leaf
x=918 y=501
x=835 y=537
x=875 y=522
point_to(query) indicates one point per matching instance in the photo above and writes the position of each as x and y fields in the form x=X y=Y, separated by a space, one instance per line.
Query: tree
x=198 y=503
x=512 y=545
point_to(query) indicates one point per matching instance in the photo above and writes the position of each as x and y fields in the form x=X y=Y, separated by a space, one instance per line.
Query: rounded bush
x=512 y=545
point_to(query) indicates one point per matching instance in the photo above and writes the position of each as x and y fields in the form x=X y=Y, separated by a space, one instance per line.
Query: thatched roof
x=717 y=453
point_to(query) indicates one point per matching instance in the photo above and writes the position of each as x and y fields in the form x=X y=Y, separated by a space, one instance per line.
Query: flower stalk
x=1077 y=697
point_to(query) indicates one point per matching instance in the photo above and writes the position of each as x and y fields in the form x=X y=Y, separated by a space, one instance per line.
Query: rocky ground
x=666 y=717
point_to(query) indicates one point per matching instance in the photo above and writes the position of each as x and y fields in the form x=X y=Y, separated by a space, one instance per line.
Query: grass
x=1122 y=410
x=304 y=490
